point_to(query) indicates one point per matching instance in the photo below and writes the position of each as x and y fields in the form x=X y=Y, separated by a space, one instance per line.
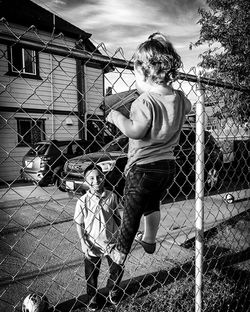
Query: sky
x=126 y=23
x=121 y=25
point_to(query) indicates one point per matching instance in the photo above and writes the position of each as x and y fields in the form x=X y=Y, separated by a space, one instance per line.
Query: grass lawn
x=226 y=279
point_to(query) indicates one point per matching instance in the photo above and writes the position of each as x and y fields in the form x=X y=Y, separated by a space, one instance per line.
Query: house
x=47 y=89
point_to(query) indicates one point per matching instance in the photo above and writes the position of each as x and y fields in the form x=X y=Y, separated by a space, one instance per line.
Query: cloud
x=126 y=23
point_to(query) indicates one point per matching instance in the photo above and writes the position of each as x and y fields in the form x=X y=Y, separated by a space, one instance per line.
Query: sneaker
x=93 y=306
x=149 y=248
x=114 y=297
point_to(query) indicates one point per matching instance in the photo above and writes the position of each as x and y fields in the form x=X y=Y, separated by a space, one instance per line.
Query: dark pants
x=145 y=186
x=92 y=270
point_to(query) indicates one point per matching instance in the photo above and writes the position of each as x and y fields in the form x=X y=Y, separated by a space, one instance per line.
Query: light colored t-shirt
x=165 y=116
x=96 y=215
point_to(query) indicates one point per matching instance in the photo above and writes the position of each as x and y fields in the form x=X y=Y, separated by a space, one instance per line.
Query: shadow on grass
x=219 y=259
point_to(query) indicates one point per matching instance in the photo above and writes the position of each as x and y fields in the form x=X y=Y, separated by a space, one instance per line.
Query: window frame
x=32 y=122
x=22 y=73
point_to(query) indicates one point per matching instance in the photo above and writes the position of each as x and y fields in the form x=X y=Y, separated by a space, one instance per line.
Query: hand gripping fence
x=58 y=93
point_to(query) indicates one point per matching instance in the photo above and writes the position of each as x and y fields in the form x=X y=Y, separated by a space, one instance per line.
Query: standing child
x=153 y=128
x=97 y=222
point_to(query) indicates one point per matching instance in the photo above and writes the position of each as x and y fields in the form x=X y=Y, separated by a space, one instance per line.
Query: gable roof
x=27 y=13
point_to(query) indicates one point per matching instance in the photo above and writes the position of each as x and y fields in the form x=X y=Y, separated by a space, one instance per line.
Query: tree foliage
x=225 y=28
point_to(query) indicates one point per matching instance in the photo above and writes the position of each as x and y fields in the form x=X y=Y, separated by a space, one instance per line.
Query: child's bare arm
x=134 y=129
x=86 y=243
x=79 y=220
x=83 y=239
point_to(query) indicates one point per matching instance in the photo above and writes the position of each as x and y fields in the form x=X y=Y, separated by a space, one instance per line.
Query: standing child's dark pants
x=144 y=188
x=92 y=270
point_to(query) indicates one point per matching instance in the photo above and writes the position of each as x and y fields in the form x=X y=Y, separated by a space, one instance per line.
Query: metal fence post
x=199 y=196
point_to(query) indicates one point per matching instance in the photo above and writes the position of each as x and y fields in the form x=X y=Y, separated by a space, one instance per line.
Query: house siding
x=52 y=98
x=10 y=154
x=94 y=90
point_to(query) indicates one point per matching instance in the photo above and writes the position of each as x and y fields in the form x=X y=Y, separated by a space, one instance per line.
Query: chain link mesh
x=55 y=91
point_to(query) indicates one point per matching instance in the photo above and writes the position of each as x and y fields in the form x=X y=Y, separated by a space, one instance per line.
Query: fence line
x=110 y=60
x=32 y=248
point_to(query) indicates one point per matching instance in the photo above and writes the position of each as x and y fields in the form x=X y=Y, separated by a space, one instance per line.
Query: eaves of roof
x=27 y=13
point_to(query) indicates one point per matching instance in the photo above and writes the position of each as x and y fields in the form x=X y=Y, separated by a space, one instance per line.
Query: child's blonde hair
x=157 y=59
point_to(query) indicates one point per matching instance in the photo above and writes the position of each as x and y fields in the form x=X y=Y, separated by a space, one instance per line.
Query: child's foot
x=114 y=297
x=92 y=306
x=117 y=256
x=148 y=247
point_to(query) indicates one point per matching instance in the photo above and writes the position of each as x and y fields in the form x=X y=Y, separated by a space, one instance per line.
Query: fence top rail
x=107 y=60
x=211 y=82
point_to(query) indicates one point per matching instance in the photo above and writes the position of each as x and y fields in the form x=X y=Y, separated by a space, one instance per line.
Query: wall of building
x=52 y=98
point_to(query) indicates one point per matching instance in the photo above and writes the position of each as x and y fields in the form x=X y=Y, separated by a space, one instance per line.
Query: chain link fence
x=54 y=96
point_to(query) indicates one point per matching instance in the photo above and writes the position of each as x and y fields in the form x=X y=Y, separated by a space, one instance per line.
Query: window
x=23 y=62
x=30 y=131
